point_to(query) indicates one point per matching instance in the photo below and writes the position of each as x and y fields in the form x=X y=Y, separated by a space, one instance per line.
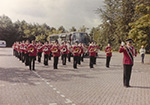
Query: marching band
x=27 y=52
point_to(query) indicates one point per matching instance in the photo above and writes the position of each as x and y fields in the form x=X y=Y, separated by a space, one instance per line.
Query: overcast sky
x=55 y=13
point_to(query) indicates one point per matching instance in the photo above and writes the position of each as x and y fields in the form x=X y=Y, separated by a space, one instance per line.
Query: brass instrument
x=31 y=49
x=63 y=50
x=109 y=50
x=55 y=50
x=77 y=50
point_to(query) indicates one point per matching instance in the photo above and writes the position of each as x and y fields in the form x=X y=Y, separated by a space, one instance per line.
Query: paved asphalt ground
x=67 y=86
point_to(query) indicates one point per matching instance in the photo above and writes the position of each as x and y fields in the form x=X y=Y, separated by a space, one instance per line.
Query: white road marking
x=58 y=92
x=51 y=85
x=62 y=95
x=47 y=83
x=68 y=101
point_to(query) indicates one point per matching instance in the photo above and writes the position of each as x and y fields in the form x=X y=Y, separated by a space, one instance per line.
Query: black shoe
x=107 y=66
x=127 y=86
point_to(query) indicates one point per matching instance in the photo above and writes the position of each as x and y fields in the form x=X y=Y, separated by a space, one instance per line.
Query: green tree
x=7 y=30
x=83 y=29
x=140 y=29
x=73 y=29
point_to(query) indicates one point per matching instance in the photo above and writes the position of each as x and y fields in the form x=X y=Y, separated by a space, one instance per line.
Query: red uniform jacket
x=26 y=48
x=64 y=49
x=76 y=51
x=91 y=51
x=32 y=50
x=50 y=46
x=126 y=58
x=22 y=48
x=81 y=48
x=108 y=51
x=39 y=48
x=19 y=46
x=14 y=46
x=56 y=51
x=46 y=49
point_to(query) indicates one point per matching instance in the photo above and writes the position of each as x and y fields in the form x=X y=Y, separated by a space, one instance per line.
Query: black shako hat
x=129 y=40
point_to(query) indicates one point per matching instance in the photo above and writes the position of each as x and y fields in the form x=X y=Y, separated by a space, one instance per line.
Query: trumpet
x=31 y=49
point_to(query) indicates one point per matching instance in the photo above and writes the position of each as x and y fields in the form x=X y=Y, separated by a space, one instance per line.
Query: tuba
x=31 y=49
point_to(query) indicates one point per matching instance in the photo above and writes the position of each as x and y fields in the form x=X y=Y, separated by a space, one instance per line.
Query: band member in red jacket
x=108 y=51
x=39 y=51
x=81 y=52
x=69 y=51
x=19 y=50
x=56 y=53
x=26 y=53
x=22 y=50
x=46 y=51
x=50 y=46
x=128 y=59
x=97 y=48
x=32 y=55
x=76 y=51
x=64 y=52
x=92 y=53
x=14 y=49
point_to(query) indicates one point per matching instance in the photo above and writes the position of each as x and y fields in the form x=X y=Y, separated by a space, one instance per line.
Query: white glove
x=122 y=44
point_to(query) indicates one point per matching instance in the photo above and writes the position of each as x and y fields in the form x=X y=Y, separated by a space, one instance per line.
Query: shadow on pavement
x=61 y=75
x=141 y=87
x=22 y=75
x=17 y=75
